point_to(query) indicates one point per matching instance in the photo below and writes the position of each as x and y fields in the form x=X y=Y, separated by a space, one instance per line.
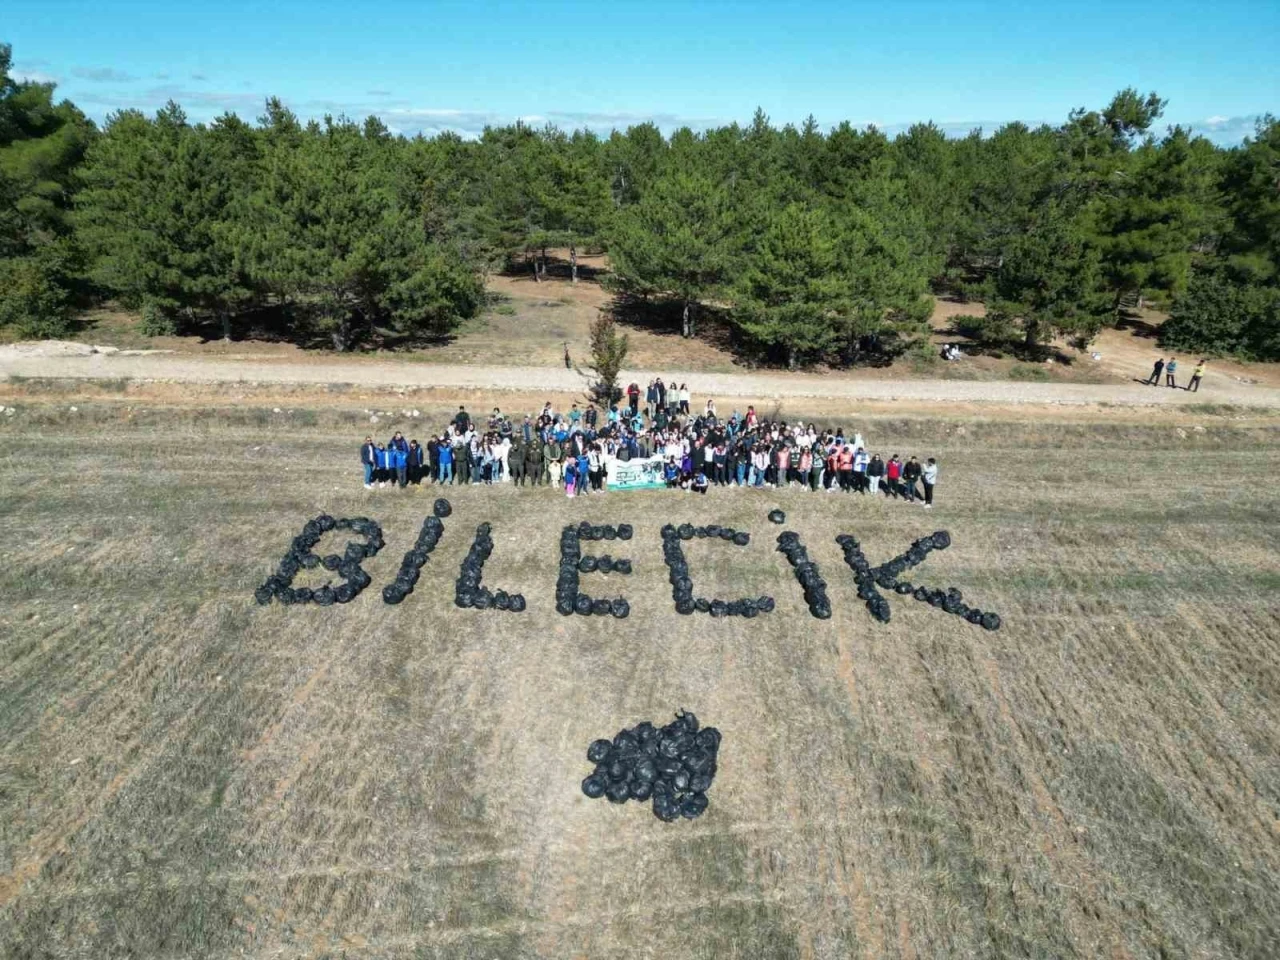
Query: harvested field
x=185 y=774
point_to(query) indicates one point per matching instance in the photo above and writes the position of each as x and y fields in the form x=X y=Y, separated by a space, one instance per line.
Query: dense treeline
x=808 y=245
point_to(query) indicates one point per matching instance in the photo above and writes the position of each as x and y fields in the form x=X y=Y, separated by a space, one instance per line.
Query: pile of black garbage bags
x=807 y=572
x=414 y=560
x=673 y=766
x=302 y=556
x=569 y=597
x=682 y=584
x=470 y=590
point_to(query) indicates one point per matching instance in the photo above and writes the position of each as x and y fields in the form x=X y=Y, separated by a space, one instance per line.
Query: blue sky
x=430 y=66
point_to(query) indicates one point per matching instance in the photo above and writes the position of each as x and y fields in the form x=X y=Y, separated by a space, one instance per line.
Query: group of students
x=1170 y=370
x=573 y=449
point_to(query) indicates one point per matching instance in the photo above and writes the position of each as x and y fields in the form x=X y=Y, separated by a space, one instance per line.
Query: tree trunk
x=342 y=335
x=573 y=263
x=1032 y=334
x=533 y=260
x=791 y=358
x=225 y=316
x=686 y=320
x=542 y=263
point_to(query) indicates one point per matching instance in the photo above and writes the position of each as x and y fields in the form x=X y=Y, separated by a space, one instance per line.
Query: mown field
x=185 y=774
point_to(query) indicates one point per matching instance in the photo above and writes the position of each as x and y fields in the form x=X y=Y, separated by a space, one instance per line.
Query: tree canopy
x=810 y=245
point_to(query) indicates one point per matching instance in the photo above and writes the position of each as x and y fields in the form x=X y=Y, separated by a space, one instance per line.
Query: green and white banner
x=635 y=474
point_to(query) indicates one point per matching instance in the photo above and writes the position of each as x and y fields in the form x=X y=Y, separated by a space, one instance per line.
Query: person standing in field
x=875 y=471
x=444 y=453
x=910 y=474
x=930 y=477
x=369 y=461
x=893 y=476
x=1154 y=379
x=1170 y=370
x=1196 y=374
x=553 y=454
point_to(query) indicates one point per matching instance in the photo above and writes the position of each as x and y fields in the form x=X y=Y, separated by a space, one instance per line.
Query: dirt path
x=24 y=361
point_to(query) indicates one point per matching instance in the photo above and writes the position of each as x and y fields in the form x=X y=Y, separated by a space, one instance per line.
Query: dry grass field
x=185 y=774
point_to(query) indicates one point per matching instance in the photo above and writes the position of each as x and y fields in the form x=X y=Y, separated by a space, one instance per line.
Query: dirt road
x=24 y=360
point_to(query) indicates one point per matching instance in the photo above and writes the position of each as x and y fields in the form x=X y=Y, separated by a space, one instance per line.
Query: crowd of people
x=572 y=450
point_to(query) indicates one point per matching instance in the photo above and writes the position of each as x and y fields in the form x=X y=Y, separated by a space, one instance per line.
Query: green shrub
x=1219 y=316
x=1028 y=372
x=993 y=328
x=156 y=321
x=34 y=298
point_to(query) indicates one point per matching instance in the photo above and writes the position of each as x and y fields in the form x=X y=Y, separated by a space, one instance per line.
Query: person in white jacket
x=929 y=477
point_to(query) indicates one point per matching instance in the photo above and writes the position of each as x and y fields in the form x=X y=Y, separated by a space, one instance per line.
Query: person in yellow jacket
x=1194 y=385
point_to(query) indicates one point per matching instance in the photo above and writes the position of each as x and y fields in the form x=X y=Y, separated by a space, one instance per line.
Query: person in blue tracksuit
x=368 y=461
x=445 y=453
x=381 y=471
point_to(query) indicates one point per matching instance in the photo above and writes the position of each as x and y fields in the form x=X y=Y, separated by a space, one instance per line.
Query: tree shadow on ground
x=964 y=338
x=300 y=326
x=555 y=268
x=1136 y=325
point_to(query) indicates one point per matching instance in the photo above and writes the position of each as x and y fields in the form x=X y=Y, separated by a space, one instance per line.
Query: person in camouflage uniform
x=534 y=467
x=515 y=459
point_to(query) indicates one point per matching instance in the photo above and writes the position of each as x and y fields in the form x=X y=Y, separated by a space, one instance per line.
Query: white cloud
x=33 y=76
x=102 y=74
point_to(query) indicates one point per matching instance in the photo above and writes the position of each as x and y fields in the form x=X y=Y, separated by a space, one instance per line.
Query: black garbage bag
x=483 y=599
x=303 y=595
x=600 y=607
x=344 y=593
x=263 y=595
x=646 y=769
x=640 y=790
x=777 y=516
x=599 y=750
x=501 y=601
x=702 y=605
x=974 y=616
x=693 y=806
x=622 y=566
x=742 y=538
x=582 y=606
x=442 y=508
x=701 y=533
x=820 y=609
x=610 y=533
x=620 y=608
x=564 y=607
x=686 y=531
x=666 y=807
x=309 y=561
x=718 y=608
x=594 y=787
x=587 y=564
x=604 y=563
x=903 y=588
x=766 y=604
x=463 y=599
x=684 y=607
x=990 y=621
x=941 y=540
x=618 y=792
x=625 y=531
x=393 y=594
x=921 y=593
x=516 y=604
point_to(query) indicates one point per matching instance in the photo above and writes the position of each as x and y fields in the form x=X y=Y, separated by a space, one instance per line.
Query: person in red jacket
x=893 y=477
x=633 y=395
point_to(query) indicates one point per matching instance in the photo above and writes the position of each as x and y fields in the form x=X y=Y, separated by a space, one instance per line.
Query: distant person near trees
x=1154 y=379
x=1170 y=372
x=1196 y=374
